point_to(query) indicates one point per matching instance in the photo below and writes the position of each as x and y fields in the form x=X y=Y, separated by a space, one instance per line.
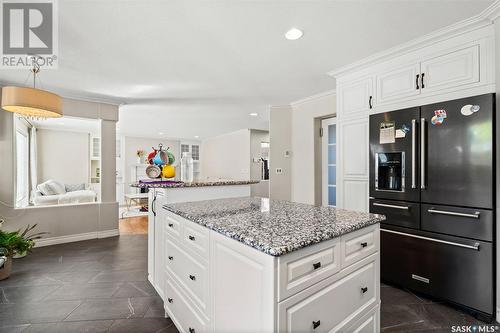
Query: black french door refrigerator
x=432 y=173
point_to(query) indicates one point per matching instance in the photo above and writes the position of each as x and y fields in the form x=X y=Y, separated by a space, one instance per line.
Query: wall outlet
x=279 y=171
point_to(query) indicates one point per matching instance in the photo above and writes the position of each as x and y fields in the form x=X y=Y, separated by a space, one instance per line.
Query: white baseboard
x=76 y=237
x=108 y=233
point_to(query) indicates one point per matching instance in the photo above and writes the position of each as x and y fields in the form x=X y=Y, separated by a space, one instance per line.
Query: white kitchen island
x=164 y=192
x=258 y=265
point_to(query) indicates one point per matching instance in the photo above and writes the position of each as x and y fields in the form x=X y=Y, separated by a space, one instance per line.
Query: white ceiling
x=187 y=68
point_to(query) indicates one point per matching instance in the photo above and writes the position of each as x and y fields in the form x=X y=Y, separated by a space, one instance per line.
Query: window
x=329 y=162
x=22 y=167
x=195 y=152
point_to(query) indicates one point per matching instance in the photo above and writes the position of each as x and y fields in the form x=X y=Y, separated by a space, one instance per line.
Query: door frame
x=324 y=158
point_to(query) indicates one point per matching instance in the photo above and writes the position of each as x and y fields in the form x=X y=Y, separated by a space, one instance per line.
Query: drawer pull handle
x=391 y=206
x=364 y=289
x=445 y=212
x=317 y=265
x=170 y=300
x=192 y=277
x=364 y=244
x=420 y=278
x=171 y=225
x=170 y=258
x=466 y=246
x=191 y=238
x=191 y=330
x=316 y=324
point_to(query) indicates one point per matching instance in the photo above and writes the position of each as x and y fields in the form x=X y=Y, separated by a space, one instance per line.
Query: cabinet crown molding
x=483 y=19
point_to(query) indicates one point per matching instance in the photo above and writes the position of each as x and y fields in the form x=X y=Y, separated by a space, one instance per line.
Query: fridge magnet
x=405 y=128
x=469 y=109
x=387 y=132
x=439 y=117
x=400 y=134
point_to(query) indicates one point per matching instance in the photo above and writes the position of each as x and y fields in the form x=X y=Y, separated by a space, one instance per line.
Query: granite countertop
x=177 y=184
x=272 y=226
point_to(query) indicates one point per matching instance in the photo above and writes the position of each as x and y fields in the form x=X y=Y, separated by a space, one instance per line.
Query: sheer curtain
x=33 y=159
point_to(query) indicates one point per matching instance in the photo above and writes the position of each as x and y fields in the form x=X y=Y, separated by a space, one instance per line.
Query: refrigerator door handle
x=413 y=153
x=445 y=212
x=391 y=206
x=466 y=246
x=422 y=153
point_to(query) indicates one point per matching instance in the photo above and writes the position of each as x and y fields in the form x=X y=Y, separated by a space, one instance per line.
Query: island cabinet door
x=332 y=304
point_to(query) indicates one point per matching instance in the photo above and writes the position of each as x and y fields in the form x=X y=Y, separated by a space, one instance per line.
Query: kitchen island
x=163 y=192
x=260 y=265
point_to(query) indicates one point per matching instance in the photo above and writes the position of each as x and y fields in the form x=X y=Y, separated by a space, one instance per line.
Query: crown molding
x=483 y=19
x=313 y=97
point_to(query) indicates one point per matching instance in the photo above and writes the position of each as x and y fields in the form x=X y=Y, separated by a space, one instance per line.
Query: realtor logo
x=29 y=32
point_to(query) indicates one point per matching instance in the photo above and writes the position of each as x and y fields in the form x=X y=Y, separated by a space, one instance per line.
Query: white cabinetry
x=221 y=285
x=448 y=65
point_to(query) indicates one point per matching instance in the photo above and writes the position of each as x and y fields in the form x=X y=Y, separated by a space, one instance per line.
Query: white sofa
x=56 y=193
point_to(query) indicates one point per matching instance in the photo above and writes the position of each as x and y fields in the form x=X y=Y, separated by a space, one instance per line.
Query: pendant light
x=32 y=102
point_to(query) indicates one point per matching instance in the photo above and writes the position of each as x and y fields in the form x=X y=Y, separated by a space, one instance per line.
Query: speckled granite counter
x=271 y=226
x=174 y=184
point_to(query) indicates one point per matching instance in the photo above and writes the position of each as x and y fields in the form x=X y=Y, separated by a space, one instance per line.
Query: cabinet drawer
x=369 y=323
x=398 y=213
x=301 y=269
x=358 y=244
x=185 y=317
x=191 y=274
x=463 y=222
x=196 y=238
x=331 y=304
x=173 y=226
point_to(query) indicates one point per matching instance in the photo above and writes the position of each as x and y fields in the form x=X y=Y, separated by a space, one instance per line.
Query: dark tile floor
x=101 y=286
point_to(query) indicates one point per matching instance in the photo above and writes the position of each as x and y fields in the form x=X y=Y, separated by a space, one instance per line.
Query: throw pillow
x=51 y=187
x=74 y=187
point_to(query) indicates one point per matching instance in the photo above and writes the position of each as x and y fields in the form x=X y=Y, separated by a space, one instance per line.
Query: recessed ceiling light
x=293 y=34
x=253 y=114
x=196 y=136
x=161 y=133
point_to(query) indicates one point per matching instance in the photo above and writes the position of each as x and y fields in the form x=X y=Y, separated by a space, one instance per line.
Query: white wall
x=226 y=156
x=66 y=221
x=256 y=138
x=280 y=133
x=129 y=157
x=63 y=156
x=306 y=146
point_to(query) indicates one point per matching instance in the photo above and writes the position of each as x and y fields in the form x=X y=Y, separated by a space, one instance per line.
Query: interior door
x=457 y=155
x=394 y=154
x=329 y=162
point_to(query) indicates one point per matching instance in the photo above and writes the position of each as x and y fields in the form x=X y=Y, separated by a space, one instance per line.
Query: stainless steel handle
x=466 y=246
x=445 y=212
x=413 y=153
x=422 y=153
x=391 y=206
x=420 y=278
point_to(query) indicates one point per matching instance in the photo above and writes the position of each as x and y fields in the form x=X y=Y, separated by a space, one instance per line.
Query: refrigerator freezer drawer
x=398 y=213
x=450 y=269
x=456 y=221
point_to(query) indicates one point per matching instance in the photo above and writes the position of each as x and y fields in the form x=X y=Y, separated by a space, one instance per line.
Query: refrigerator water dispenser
x=390 y=171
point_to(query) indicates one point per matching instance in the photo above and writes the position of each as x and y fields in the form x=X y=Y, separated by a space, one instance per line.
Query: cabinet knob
x=191 y=330
x=170 y=300
x=364 y=289
x=316 y=324
x=171 y=225
x=317 y=265
x=192 y=277
x=170 y=258
x=364 y=244
x=191 y=238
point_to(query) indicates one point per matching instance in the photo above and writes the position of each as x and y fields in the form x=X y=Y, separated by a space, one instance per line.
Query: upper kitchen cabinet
x=397 y=83
x=450 y=70
x=356 y=97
